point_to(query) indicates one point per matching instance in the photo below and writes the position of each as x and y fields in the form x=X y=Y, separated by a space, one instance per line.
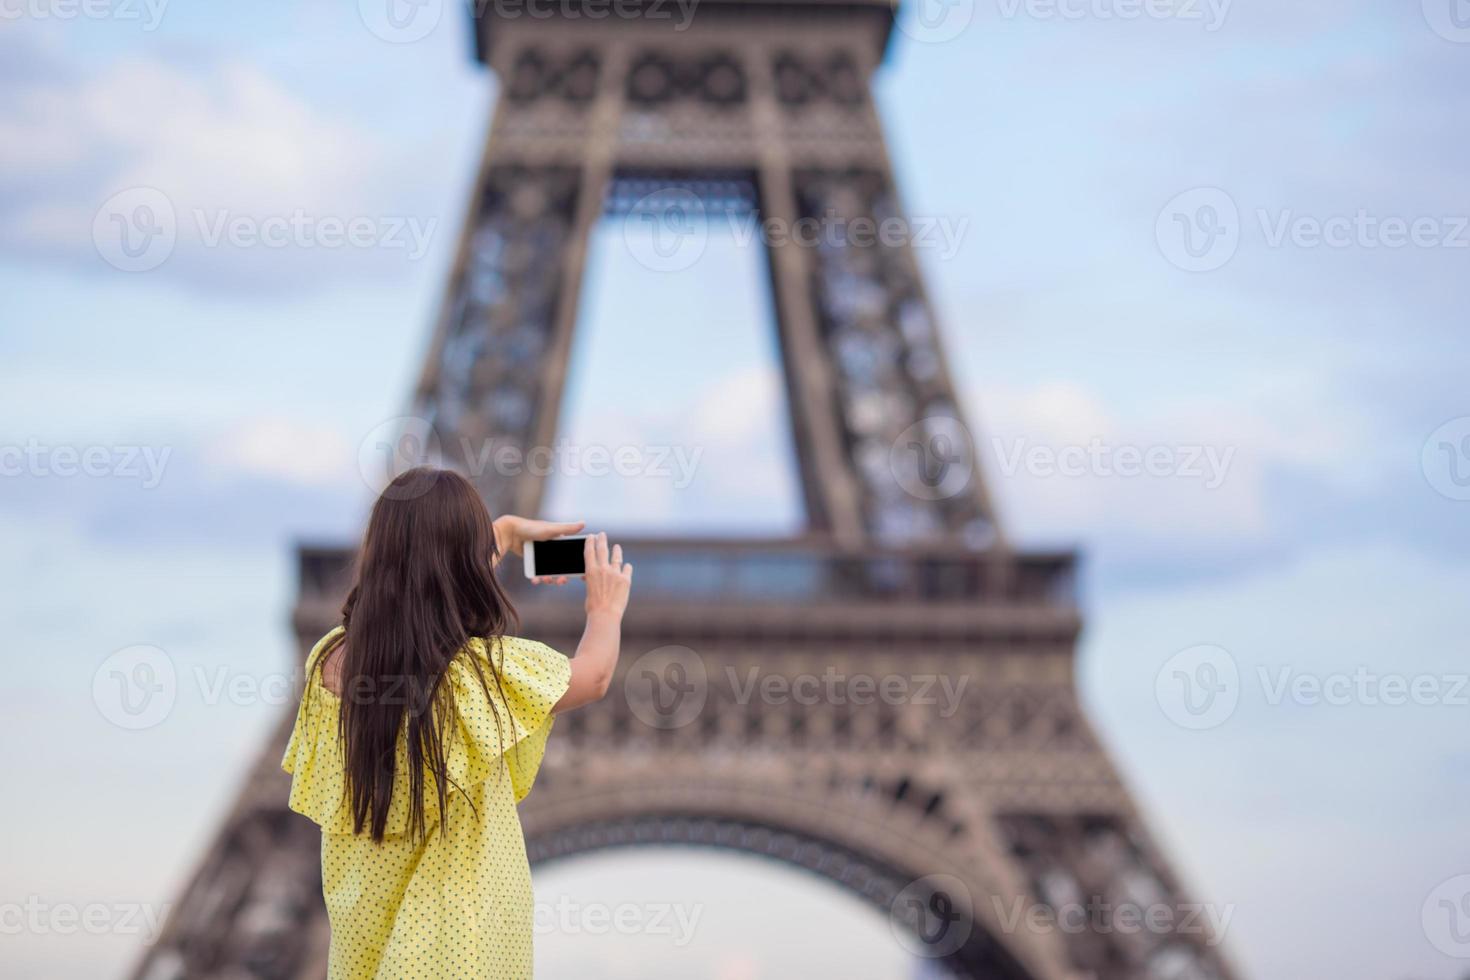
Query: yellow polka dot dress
x=447 y=906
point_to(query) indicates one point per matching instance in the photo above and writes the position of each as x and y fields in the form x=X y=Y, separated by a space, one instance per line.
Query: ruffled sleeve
x=509 y=716
x=313 y=754
x=299 y=746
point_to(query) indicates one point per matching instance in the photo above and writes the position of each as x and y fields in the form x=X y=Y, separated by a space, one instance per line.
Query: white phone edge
x=528 y=554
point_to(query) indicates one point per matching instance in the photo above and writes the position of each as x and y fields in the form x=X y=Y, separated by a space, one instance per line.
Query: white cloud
x=1288 y=771
x=1055 y=456
x=284 y=449
x=734 y=438
x=235 y=134
x=1223 y=450
x=227 y=143
x=742 y=406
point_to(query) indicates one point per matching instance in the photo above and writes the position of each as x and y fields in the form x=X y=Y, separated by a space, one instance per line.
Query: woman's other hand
x=512 y=532
x=608 y=579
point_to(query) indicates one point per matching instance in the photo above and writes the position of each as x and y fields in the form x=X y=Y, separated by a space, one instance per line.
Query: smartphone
x=559 y=556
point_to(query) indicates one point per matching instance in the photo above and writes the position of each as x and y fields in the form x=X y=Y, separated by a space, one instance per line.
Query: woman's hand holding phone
x=609 y=581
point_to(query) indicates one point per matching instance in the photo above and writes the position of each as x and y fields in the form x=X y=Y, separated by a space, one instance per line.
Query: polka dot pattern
x=453 y=905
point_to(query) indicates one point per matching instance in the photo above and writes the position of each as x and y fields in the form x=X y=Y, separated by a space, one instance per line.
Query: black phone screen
x=562 y=556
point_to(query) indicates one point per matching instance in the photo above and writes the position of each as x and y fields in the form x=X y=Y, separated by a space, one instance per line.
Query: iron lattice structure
x=948 y=822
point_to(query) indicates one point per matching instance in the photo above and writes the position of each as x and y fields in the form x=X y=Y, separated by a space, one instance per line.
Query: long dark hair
x=425 y=585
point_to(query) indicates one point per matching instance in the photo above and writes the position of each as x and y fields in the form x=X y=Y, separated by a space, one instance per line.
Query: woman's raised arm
x=608 y=584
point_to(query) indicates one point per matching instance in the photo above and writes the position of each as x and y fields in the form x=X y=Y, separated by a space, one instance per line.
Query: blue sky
x=1328 y=547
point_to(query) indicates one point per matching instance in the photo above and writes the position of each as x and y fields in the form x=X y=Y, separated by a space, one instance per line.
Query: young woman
x=423 y=723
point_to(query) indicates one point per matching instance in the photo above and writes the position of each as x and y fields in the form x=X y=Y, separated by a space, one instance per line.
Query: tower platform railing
x=779 y=571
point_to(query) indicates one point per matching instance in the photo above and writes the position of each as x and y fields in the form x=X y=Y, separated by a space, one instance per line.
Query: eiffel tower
x=949 y=823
